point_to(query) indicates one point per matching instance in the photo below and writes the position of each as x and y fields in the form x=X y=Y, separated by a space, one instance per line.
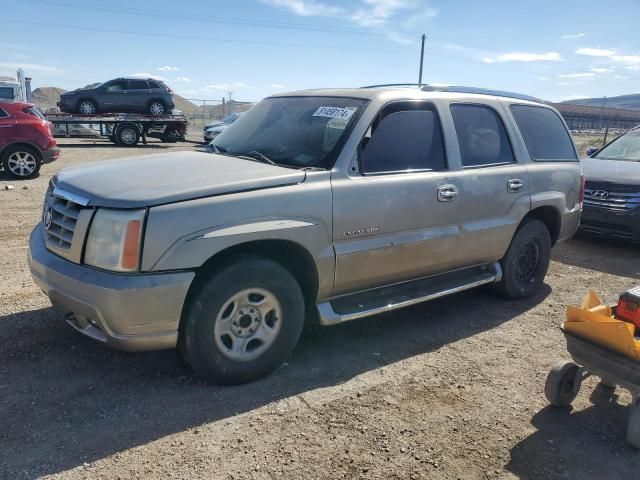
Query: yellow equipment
x=601 y=345
x=595 y=322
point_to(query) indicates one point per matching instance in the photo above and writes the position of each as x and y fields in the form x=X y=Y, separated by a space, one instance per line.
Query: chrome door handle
x=447 y=193
x=515 y=185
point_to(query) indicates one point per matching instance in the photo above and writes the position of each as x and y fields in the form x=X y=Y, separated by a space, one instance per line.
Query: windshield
x=294 y=131
x=230 y=118
x=626 y=147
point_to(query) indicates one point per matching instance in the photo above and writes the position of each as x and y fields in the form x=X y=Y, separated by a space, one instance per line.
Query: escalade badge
x=601 y=194
x=47 y=218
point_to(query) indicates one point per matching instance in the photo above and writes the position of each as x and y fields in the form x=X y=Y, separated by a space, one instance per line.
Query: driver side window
x=116 y=86
x=405 y=137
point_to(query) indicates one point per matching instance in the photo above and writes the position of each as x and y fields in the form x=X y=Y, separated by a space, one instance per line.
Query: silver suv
x=323 y=205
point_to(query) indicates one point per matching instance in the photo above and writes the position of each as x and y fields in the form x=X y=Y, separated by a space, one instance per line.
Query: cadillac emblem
x=47 y=218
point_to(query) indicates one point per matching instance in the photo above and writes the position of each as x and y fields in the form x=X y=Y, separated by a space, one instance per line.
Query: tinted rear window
x=544 y=133
x=3 y=113
x=481 y=136
x=34 y=112
x=153 y=84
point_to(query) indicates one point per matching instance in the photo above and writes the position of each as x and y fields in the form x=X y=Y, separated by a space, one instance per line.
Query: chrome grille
x=611 y=196
x=64 y=215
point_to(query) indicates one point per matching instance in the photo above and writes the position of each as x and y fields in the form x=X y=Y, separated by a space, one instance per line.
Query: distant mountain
x=631 y=102
x=46 y=97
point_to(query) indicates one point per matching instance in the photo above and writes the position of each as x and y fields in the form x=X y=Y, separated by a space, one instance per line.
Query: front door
x=7 y=128
x=113 y=96
x=493 y=187
x=396 y=219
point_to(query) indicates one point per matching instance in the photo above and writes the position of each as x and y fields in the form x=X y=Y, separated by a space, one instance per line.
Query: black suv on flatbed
x=122 y=95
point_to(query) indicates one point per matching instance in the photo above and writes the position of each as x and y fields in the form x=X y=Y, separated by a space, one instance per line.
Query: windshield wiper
x=259 y=156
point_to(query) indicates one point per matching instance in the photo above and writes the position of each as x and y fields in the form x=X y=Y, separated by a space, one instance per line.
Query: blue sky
x=551 y=49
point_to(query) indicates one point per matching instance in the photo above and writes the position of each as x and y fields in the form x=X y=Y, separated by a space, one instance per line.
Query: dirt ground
x=451 y=389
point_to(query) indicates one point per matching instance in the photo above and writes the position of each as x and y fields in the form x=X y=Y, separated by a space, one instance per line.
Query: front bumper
x=126 y=311
x=619 y=224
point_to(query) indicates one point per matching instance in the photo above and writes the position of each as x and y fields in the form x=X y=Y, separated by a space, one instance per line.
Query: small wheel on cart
x=633 y=427
x=563 y=384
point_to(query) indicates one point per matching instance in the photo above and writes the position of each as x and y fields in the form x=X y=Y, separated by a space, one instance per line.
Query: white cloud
x=377 y=12
x=630 y=60
x=183 y=79
x=147 y=75
x=596 y=52
x=578 y=75
x=240 y=85
x=524 y=57
x=572 y=36
x=217 y=86
x=601 y=70
x=394 y=18
x=621 y=77
x=306 y=8
x=29 y=67
x=279 y=86
x=168 y=68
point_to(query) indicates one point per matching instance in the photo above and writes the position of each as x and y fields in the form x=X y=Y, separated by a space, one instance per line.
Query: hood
x=150 y=180
x=613 y=171
x=213 y=124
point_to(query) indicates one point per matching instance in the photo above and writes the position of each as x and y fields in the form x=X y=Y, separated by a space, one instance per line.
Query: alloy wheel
x=21 y=164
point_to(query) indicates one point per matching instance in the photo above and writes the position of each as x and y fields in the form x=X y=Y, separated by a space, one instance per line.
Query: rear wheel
x=87 y=107
x=156 y=107
x=127 y=136
x=244 y=322
x=22 y=162
x=526 y=262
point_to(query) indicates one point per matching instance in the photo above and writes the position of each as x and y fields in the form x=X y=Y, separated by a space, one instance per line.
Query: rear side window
x=3 y=113
x=138 y=85
x=404 y=138
x=153 y=84
x=481 y=135
x=544 y=133
x=33 y=111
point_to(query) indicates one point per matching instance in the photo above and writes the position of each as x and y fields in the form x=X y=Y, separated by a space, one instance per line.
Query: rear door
x=7 y=127
x=494 y=187
x=395 y=220
x=138 y=94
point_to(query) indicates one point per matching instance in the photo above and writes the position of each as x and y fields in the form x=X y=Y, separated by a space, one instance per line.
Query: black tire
x=633 y=426
x=205 y=350
x=127 y=136
x=156 y=107
x=563 y=384
x=83 y=107
x=526 y=262
x=22 y=162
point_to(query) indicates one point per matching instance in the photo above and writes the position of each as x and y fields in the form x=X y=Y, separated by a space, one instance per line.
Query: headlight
x=114 y=240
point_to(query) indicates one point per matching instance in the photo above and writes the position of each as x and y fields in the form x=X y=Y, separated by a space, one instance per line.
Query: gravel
x=451 y=389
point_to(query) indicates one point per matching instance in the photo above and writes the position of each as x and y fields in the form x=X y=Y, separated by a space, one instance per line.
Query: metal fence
x=207 y=110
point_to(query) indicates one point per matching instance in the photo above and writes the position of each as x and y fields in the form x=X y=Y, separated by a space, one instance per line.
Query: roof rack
x=460 y=89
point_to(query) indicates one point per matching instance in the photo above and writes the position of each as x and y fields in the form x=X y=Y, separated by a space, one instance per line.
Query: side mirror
x=592 y=151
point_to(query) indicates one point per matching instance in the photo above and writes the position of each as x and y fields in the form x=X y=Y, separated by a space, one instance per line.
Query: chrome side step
x=393 y=297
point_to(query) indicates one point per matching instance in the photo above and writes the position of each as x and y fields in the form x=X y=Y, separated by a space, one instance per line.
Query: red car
x=26 y=140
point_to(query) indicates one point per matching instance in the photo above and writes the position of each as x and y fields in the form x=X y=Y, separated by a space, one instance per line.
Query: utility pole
x=424 y=37
x=606 y=125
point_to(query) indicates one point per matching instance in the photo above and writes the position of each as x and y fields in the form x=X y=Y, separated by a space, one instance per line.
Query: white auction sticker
x=334 y=112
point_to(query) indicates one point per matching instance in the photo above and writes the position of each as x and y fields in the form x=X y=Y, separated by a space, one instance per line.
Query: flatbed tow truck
x=126 y=129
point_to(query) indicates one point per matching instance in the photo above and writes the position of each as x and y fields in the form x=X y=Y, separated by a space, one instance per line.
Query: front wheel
x=526 y=262
x=244 y=322
x=127 y=136
x=87 y=107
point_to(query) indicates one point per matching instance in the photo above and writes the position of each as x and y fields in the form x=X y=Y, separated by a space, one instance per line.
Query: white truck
x=16 y=88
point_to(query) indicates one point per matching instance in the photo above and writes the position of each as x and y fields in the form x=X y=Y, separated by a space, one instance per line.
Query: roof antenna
x=424 y=37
